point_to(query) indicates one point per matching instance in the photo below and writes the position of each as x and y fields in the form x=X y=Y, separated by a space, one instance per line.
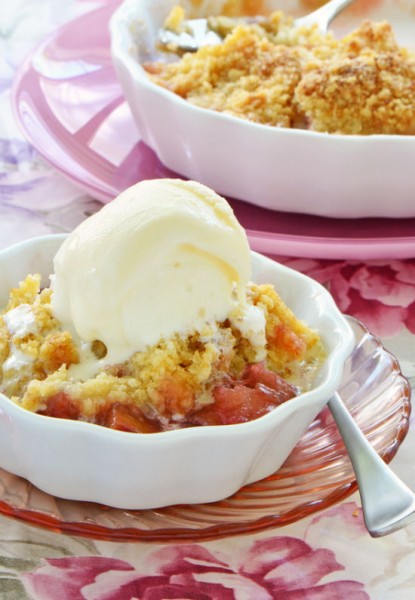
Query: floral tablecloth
x=327 y=556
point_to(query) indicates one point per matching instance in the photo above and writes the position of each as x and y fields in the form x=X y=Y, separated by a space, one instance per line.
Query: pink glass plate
x=317 y=474
x=70 y=106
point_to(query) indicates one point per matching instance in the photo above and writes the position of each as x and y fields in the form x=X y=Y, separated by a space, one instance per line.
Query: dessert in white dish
x=265 y=352
x=282 y=168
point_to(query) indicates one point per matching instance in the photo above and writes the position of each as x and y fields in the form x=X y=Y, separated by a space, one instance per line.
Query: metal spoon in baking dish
x=196 y=33
x=387 y=503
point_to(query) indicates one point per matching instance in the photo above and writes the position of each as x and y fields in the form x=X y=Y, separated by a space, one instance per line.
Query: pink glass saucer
x=317 y=475
x=71 y=108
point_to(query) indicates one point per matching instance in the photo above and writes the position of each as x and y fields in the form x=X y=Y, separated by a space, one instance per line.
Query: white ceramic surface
x=282 y=169
x=82 y=461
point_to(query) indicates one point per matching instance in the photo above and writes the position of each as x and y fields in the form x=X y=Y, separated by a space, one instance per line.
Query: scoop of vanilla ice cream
x=166 y=256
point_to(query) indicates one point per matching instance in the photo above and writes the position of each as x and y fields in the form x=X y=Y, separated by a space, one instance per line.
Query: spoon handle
x=387 y=503
x=324 y=15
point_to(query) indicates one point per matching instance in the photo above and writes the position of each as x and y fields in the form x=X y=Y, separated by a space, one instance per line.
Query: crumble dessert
x=275 y=74
x=221 y=360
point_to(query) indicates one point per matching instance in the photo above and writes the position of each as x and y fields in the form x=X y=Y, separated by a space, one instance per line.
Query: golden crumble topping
x=366 y=88
x=275 y=74
x=172 y=384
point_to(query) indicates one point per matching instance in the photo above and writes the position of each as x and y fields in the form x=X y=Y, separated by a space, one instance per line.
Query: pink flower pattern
x=381 y=294
x=280 y=567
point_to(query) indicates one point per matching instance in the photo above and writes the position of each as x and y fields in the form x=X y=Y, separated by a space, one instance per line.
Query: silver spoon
x=197 y=33
x=387 y=503
x=324 y=15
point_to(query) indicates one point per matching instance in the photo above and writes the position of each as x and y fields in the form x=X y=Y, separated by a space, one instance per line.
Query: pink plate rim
x=277 y=233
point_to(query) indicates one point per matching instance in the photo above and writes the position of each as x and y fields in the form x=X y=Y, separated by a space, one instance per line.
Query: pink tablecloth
x=326 y=556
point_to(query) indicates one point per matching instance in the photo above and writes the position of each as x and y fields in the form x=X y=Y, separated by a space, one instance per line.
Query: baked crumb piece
x=294 y=350
x=28 y=339
x=26 y=293
x=368 y=87
x=275 y=74
x=370 y=94
x=175 y=19
x=370 y=35
x=58 y=349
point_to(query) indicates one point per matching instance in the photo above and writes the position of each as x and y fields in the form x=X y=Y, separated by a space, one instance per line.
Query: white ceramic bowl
x=83 y=461
x=281 y=169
